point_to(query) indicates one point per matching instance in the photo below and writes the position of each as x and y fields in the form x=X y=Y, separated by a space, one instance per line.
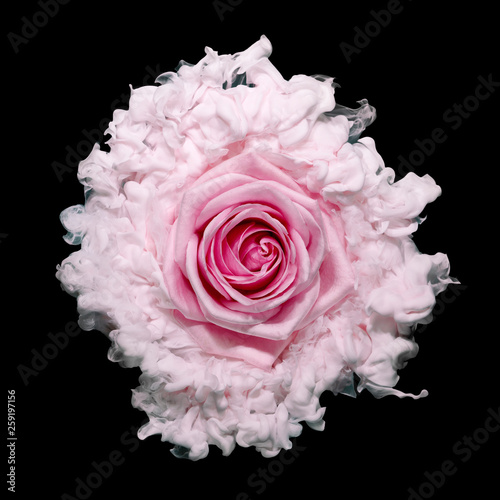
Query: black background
x=67 y=78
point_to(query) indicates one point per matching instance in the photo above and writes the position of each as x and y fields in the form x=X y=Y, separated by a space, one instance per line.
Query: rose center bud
x=254 y=254
x=258 y=252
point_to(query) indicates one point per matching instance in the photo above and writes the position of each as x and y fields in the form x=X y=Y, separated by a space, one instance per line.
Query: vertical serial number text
x=11 y=440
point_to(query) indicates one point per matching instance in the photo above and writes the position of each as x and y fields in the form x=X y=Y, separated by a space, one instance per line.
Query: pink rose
x=251 y=259
x=248 y=250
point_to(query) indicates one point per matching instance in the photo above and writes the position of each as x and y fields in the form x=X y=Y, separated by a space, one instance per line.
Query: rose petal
x=337 y=278
x=209 y=267
x=213 y=339
x=277 y=324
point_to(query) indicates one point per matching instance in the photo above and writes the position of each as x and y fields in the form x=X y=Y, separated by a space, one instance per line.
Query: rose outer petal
x=337 y=278
x=215 y=340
